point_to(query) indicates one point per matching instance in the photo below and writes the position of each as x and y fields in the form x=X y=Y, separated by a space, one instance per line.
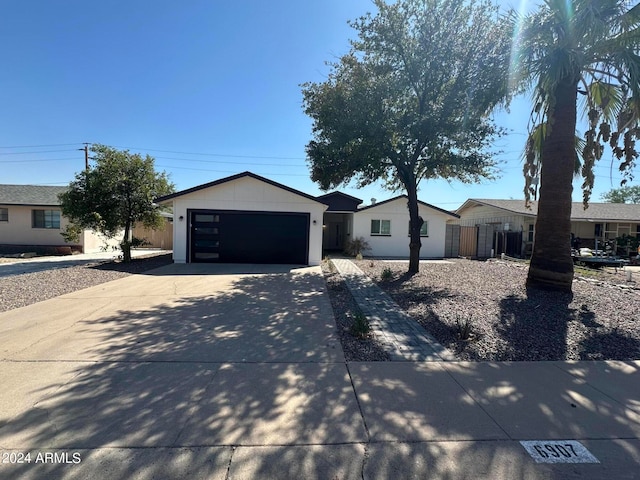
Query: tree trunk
x=551 y=264
x=415 y=223
x=126 y=244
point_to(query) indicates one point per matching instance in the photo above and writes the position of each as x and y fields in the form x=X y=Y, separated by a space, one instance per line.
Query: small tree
x=113 y=195
x=622 y=195
x=412 y=100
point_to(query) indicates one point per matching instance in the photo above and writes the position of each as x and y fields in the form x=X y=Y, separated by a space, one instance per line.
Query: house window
x=45 y=219
x=597 y=230
x=530 y=233
x=4 y=214
x=380 y=227
x=424 y=229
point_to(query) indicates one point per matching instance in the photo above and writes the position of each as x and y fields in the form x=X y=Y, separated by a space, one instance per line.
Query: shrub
x=464 y=328
x=360 y=327
x=386 y=275
x=357 y=247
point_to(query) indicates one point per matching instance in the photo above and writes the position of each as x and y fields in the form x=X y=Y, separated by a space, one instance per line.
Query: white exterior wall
x=93 y=242
x=18 y=230
x=247 y=194
x=397 y=245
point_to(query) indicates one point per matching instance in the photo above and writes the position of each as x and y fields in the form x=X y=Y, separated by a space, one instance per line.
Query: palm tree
x=565 y=50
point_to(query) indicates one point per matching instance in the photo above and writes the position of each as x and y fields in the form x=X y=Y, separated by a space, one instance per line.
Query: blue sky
x=209 y=88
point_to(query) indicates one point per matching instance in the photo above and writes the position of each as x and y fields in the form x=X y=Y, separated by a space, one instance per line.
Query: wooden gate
x=468 y=241
x=472 y=242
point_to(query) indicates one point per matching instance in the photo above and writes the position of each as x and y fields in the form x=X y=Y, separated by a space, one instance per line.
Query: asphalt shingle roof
x=30 y=195
x=596 y=211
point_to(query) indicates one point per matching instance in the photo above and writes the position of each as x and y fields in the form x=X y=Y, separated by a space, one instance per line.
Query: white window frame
x=424 y=229
x=380 y=230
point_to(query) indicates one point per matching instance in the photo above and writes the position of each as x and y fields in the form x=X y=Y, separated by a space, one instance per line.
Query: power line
x=31 y=153
x=39 y=146
x=233 y=171
x=232 y=163
x=211 y=154
x=39 y=160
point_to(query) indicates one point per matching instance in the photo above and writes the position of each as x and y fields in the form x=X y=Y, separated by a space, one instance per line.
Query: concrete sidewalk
x=238 y=374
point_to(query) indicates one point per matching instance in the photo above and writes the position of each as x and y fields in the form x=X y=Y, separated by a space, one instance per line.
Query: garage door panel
x=250 y=237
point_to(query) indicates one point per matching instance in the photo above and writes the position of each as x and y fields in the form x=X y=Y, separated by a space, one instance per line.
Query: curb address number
x=558 y=451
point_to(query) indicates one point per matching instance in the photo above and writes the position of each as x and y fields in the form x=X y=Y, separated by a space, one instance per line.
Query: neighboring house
x=598 y=223
x=246 y=218
x=383 y=225
x=30 y=218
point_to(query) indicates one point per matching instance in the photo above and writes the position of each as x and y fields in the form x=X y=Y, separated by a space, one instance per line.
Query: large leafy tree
x=572 y=52
x=412 y=100
x=626 y=194
x=115 y=193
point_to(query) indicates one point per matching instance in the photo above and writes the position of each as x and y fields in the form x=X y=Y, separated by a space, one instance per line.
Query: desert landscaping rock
x=600 y=321
x=21 y=290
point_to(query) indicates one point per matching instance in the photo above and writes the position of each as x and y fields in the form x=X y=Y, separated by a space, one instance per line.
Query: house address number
x=558 y=451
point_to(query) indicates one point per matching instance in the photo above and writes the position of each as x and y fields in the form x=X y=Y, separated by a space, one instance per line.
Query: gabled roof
x=428 y=205
x=40 y=195
x=330 y=194
x=340 y=202
x=596 y=211
x=231 y=179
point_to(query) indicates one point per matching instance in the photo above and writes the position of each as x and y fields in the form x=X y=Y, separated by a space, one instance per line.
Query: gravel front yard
x=20 y=290
x=600 y=321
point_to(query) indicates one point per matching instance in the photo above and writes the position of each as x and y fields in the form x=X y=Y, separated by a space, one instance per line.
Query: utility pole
x=86 y=156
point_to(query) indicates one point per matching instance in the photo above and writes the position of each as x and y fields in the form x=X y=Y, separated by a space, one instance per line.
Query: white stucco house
x=246 y=218
x=31 y=220
x=383 y=225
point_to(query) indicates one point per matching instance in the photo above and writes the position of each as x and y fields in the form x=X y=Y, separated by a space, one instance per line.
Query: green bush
x=386 y=275
x=464 y=327
x=360 y=327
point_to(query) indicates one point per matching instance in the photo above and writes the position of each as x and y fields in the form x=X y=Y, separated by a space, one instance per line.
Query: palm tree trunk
x=551 y=264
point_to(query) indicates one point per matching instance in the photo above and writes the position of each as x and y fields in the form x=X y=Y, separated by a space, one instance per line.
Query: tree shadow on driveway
x=256 y=364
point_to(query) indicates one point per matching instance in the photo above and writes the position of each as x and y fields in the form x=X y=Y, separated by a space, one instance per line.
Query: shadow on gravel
x=607 y=345
x=136 y=265
x=536 y=326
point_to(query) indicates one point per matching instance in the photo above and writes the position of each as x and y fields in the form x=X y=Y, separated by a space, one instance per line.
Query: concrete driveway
x=236 y=372
x=193 y=361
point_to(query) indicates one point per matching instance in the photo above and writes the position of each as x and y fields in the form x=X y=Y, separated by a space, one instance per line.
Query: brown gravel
x=344 y=307
x=21 y=290
x=599 y=321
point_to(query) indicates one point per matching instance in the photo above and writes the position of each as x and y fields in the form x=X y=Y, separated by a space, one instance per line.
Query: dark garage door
x=249 y=237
